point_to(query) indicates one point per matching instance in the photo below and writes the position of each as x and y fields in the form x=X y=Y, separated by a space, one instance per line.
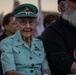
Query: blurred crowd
x=41 y=22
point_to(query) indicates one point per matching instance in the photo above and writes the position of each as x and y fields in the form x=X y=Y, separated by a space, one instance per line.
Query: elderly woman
x=21 y=53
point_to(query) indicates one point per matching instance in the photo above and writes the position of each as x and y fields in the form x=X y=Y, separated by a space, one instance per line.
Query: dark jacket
x=2 y=37
x=59 y=40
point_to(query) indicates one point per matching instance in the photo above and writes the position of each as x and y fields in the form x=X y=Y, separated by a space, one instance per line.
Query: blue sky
x=46 y=5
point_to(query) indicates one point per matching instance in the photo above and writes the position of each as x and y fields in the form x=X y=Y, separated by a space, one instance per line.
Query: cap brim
x=24 y=14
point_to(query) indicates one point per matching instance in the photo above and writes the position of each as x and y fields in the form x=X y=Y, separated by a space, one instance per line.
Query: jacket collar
x=67 y=24
x=18 y=39
x=64 y=22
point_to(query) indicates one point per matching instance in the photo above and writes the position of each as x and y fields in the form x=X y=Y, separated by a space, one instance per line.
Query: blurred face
x=11 y=28
x=26 y=26
x=70 y=12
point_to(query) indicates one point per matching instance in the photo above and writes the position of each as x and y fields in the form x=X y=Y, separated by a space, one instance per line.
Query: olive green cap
x=25 y=10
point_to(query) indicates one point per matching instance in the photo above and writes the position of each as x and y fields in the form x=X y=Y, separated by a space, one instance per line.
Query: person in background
x=59 y=40
x=1 y=20
x=1 y=31
x=10 y=28
x=9 y=24
x=49 y=18
x=22 y=54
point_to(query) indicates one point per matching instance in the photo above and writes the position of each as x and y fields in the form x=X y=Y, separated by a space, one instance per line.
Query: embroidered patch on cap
x=26 y=9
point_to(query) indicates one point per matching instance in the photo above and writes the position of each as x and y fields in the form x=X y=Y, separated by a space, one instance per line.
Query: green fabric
x=26 y=10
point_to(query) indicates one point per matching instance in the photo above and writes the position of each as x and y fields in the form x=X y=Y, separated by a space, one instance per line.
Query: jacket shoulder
x=38 y=40
x=8 y=39
x=39 y=43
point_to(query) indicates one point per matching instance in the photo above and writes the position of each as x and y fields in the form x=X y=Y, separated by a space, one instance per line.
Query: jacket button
x=32 y=65
x=30 y=58
x=19 y=52
x=39 y=54
x=31 y=71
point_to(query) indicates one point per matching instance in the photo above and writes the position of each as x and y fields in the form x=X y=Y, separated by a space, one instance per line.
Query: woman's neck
x=28 y=41
x=8 y=34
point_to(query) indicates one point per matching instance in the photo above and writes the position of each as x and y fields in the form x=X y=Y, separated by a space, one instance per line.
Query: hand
x=73 y=68
x=47 y=72
x=13 y=72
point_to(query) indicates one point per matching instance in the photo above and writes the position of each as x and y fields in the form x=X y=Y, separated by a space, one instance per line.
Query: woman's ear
x=5 y=27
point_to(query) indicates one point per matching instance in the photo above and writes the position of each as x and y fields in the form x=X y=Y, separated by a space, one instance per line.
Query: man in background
x=59 y=40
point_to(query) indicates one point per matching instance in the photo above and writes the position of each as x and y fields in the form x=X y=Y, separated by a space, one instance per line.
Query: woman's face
x=11 y=28
x=26 y=26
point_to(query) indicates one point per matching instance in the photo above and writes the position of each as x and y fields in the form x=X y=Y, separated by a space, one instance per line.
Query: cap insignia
x=26 y=9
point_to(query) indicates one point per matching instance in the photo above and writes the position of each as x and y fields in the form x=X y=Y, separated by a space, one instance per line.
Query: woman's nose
x=27 y=25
